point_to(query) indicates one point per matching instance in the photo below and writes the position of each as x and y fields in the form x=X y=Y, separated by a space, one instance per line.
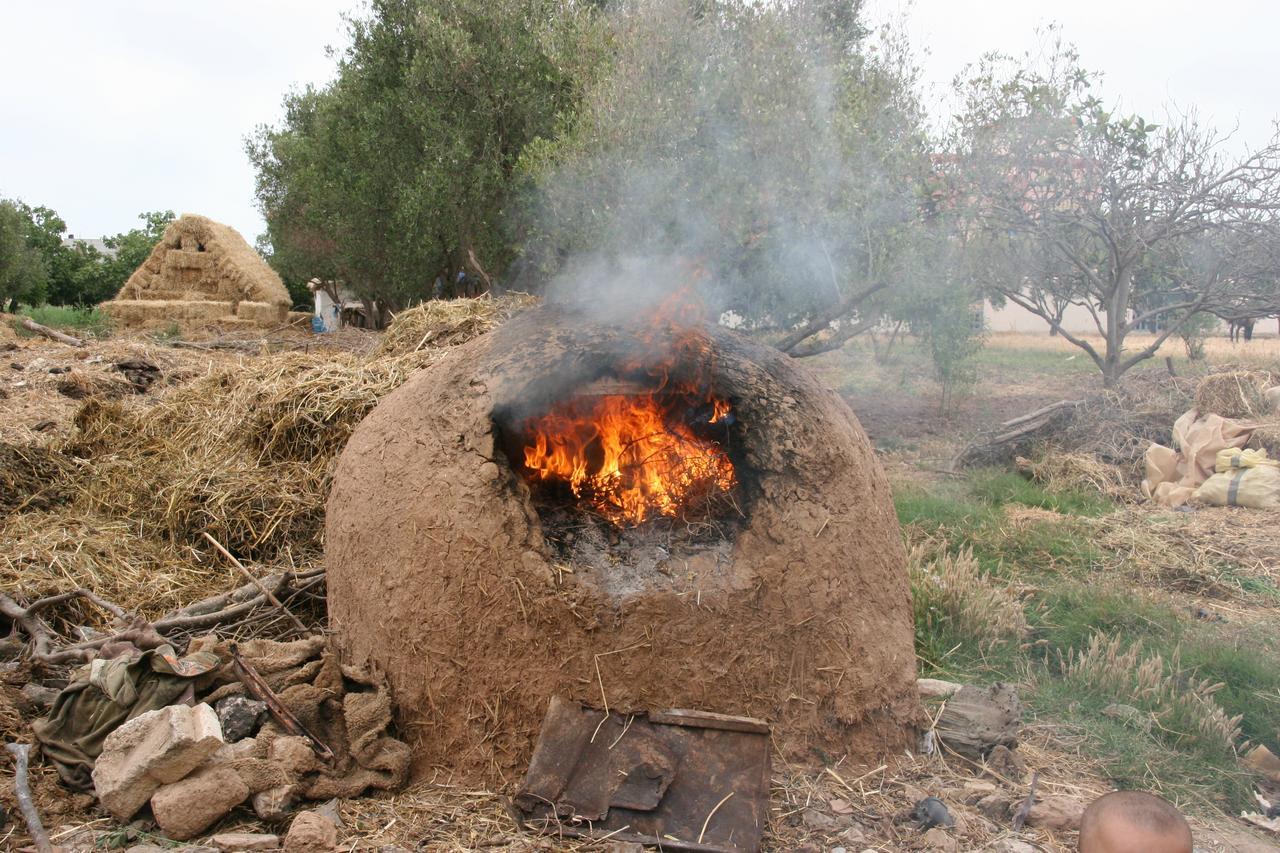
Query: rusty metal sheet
x=687 y=780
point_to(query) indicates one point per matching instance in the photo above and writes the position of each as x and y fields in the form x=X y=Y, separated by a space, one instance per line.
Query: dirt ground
x=817 y=806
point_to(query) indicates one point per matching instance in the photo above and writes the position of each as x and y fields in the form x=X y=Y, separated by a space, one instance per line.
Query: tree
x=396 y=175
x=23 y=275
x=763 y=144
x=1143 y=226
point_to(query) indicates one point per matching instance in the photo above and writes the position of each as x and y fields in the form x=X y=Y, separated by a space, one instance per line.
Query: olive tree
x=396 y=175
x=764 y=145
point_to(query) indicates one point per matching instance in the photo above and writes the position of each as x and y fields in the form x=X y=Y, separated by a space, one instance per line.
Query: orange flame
x=628 y=456
x=636 y=456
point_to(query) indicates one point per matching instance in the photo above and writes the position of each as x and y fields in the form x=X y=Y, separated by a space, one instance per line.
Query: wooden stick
x=1020 y=817
x=53 y=334
x=275 y=602
x=22 y=787
x=263 y=693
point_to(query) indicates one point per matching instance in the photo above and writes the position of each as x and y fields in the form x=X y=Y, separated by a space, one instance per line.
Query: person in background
x=1134 y=822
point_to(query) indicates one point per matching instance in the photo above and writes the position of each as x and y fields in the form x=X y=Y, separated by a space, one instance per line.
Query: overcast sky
x=108 y=109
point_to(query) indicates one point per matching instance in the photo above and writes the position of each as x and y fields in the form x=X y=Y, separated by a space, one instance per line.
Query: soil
x=439 y=573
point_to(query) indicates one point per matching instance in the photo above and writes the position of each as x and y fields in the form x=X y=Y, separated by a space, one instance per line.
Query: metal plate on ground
x=685 y=780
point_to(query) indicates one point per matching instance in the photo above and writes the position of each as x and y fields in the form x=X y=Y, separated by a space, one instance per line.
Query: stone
x=153 y=749
x=273 y=804
x=815 y=819
x=976 y=719
x=936 y=688
x=1011 y=845
x=311 y=833
x=294 y=755
x=856 y=834
x=247 y=841
x=141 y=848
x=1263 y=762
x=1057 y=813
x=332 y=810
x=939 y=839
x=931 y=812
x=1128 y=715
x=188 y=807
x=976 y=789
x=1006 y=764
x=240 y=717
x=995 y=806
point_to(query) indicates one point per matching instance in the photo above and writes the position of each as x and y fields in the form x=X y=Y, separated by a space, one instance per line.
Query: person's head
x=1133 y=822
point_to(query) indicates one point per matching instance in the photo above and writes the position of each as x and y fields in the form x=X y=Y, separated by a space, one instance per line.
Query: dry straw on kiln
x=448 y=322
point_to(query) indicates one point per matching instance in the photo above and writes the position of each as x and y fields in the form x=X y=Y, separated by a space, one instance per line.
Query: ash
x=676 y=554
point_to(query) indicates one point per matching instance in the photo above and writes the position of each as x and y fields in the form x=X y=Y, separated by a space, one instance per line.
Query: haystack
x=201 y=272
x=1239 y=394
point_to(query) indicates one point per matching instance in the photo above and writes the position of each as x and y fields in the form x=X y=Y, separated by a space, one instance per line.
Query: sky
x=109 y=109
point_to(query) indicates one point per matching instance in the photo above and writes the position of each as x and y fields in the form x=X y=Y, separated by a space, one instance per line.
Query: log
x=22 y=788
x=53 y=334
x=976 y=719
x=1018 y=435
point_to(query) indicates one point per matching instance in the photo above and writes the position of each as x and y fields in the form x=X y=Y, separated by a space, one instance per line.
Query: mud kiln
x=632 y=517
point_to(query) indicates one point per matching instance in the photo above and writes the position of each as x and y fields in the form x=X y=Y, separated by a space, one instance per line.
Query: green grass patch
x=1089 y=643
x=85 y=321
x=1135 y=756
x=1000 y=488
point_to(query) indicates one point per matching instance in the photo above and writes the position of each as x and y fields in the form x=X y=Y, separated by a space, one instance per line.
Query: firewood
x=22 y=788
x=977 y=719
x=53 y=334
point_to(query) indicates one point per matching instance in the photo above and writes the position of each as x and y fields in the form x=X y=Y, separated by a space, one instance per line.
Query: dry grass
x=1235 y=394
x=441 y=323
x=242 y=452
x=1181 y=706
x=954 y=597
x=1062 y=471
x=1261 y=350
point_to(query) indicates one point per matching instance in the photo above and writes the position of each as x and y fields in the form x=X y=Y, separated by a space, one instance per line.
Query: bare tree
x=1142 y=226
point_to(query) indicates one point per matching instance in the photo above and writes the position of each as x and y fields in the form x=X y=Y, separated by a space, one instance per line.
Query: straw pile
x=201 y=271
x=442 y=323
x=32 y=478
x=1062 y=471
x=1238 y=394
x=243 y=453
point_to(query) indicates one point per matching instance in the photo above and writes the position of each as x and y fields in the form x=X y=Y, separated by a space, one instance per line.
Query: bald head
x=1133 y=822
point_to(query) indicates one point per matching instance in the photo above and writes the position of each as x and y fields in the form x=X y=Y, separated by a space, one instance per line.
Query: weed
x=959 y=608
x=89 y=321
x=1005 y=487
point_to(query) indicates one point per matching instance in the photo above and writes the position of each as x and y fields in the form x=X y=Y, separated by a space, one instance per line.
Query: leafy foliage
x=79 y=274
x=23 y=273
x=396 y=175
x=762 y=143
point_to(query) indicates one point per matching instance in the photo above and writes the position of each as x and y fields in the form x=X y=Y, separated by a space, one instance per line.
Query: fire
x=632 y=457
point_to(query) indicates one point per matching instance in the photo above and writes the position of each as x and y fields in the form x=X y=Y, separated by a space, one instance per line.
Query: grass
x=1086 y=641
x=86 y=321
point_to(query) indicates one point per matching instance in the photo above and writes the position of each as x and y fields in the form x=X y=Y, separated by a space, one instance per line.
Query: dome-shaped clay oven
x=443 y=574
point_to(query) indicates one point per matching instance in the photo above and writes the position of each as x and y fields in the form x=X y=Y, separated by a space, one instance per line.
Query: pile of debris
x=1218 y=456
x=271 y=724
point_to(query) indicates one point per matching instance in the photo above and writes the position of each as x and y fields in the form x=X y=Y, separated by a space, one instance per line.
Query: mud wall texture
x=438 y=574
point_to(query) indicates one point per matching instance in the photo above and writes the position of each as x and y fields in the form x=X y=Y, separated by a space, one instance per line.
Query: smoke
x=755 y=154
